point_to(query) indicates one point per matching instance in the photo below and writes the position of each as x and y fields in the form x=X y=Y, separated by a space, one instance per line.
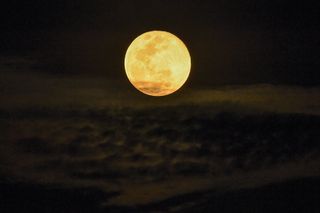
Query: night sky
x=230 y=43
x=242 y=134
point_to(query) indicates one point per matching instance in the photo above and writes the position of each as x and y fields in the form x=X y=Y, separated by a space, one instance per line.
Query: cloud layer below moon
x=33 y=90
x=89 y=132
x=150 y=154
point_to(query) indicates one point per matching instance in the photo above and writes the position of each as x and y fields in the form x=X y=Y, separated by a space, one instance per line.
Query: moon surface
x=157 y=63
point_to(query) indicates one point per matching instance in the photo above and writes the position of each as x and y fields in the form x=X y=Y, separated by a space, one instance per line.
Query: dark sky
x=238 y=42
x=248 y=115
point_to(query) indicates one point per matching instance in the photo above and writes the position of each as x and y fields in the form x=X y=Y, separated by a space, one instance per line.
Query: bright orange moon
x=157 y=63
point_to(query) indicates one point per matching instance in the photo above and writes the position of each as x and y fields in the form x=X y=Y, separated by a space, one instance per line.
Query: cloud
x=34 y=146
x=78 y=132
x=31 y=90
x=121 y=149
x=17 y=63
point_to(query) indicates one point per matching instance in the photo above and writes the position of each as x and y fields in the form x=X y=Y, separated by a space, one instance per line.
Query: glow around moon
x=157 y=63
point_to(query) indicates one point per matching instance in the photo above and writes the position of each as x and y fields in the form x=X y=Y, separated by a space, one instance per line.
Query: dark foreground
x=301 y=195
x=178 y=159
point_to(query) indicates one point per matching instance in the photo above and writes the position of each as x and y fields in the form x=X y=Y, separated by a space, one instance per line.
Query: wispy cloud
x=152 y=153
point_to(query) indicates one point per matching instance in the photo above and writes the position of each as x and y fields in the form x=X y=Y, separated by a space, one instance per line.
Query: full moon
x=157 y=63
